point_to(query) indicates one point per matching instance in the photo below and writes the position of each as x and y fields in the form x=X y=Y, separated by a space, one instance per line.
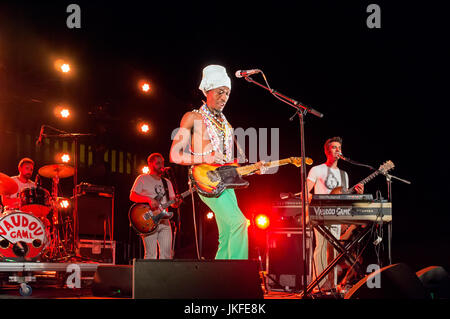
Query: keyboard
x=356 y=212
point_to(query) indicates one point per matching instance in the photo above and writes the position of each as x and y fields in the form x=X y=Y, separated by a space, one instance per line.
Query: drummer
x=23 y=180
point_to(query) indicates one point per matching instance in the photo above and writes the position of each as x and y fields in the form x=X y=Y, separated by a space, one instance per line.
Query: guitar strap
x=343 y=180
x=166 y=188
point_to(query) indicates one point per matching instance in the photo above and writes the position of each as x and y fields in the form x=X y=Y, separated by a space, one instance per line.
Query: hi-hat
x=56 y=170
x=7 y=185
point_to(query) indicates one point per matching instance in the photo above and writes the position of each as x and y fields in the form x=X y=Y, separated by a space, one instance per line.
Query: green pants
x=232 y=225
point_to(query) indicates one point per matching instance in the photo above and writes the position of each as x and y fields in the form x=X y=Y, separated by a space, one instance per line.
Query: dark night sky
x=382 y=90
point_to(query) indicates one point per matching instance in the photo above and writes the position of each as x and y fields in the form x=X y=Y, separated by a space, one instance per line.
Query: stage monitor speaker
x=284 y=259
x=186 y=279
x=95 y=216
x=113 y=281
x=396 y=281
x=436 y=281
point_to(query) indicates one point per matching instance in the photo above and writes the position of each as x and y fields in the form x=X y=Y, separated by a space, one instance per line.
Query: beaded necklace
x=219 y=130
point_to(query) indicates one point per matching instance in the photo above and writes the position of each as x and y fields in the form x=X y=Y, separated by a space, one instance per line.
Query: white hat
x=214 y=76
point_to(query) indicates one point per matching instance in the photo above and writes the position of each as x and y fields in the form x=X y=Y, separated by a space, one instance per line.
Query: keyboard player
x=322 y=179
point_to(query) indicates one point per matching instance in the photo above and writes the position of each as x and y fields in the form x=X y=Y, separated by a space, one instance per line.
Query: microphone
x=245 y=73
x=342 y=156
x=39 y=141
x=19 y=250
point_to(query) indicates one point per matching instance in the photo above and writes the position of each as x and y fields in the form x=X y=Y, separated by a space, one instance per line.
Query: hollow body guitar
x=383 y=169
x=210 y=180
x=144 y=220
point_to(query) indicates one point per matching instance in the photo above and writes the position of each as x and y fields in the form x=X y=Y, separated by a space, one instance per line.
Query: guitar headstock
x=297 y=161
x=387 y=166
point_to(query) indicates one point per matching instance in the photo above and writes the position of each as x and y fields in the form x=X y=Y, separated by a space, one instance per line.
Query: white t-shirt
x=146 y=185
x=21 y=187
x=325 y=180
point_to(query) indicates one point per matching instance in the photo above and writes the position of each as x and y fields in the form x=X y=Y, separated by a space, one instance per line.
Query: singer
x=323 y=179
x=23 y=180
x=208 y=136
x=154 y=189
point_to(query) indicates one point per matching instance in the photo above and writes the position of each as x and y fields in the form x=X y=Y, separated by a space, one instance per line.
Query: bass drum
x=23 y=236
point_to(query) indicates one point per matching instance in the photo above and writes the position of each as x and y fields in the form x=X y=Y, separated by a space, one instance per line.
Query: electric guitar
x=144 y=220
x=211 y=180
x=387 y=166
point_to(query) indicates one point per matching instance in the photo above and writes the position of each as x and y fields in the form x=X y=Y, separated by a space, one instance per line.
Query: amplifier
x=102 y=251
x=284 y=259
x=95 y=216
x=84 y=188
x=287 y=213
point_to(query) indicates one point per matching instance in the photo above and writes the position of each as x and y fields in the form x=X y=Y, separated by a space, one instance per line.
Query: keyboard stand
x=344 y=252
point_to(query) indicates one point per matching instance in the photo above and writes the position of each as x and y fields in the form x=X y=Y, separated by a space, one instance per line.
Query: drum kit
x=37 y=230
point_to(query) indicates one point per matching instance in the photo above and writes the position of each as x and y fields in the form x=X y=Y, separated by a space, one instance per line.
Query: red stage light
x=145 y=170
x=262 y=221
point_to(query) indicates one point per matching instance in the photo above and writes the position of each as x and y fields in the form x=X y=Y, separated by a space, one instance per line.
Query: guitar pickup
x=213 y=176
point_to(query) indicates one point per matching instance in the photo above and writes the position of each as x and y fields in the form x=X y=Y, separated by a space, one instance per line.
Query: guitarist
x=323 y=179
x=154 y=189
x=205 y=136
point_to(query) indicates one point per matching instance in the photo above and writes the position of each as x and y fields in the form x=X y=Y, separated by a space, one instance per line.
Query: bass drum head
x=23 y=236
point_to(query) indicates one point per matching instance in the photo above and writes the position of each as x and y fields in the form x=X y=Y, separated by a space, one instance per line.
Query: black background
x=381 y=90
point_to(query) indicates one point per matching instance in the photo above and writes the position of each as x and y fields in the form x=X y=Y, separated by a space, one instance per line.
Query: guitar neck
x=248 y=169
x=183 y=195
x=364 y=181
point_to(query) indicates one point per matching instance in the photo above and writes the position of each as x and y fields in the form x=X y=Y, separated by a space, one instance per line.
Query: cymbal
x=56 y=170
x=7 y=185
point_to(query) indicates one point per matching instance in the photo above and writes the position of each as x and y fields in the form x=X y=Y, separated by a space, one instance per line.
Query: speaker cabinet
x=284 y=259
x=396 y=281
x=113 y=281
x=185 y=279
x=95 y=216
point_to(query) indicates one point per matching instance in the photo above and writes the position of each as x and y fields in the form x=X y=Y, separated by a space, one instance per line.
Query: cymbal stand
x=75 y=137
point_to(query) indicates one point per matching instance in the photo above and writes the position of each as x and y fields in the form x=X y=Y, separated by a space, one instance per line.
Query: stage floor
x=49 y=281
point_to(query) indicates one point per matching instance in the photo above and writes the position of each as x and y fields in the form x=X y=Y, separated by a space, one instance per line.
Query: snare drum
x=35 y=201
x=23 y=236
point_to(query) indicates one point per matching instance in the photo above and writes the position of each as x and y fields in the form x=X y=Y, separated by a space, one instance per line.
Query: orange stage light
x=262 y=221
x=65 y=68
x=65 y=113
x=64 y=203
x=145 y=170
x=210 y=215
x=145 y=87
x=144 y=128
x=65 y=158
x=62 y=66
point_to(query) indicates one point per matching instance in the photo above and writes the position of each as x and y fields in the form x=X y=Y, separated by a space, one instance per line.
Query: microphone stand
x=301 y=110
x=389 y=178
